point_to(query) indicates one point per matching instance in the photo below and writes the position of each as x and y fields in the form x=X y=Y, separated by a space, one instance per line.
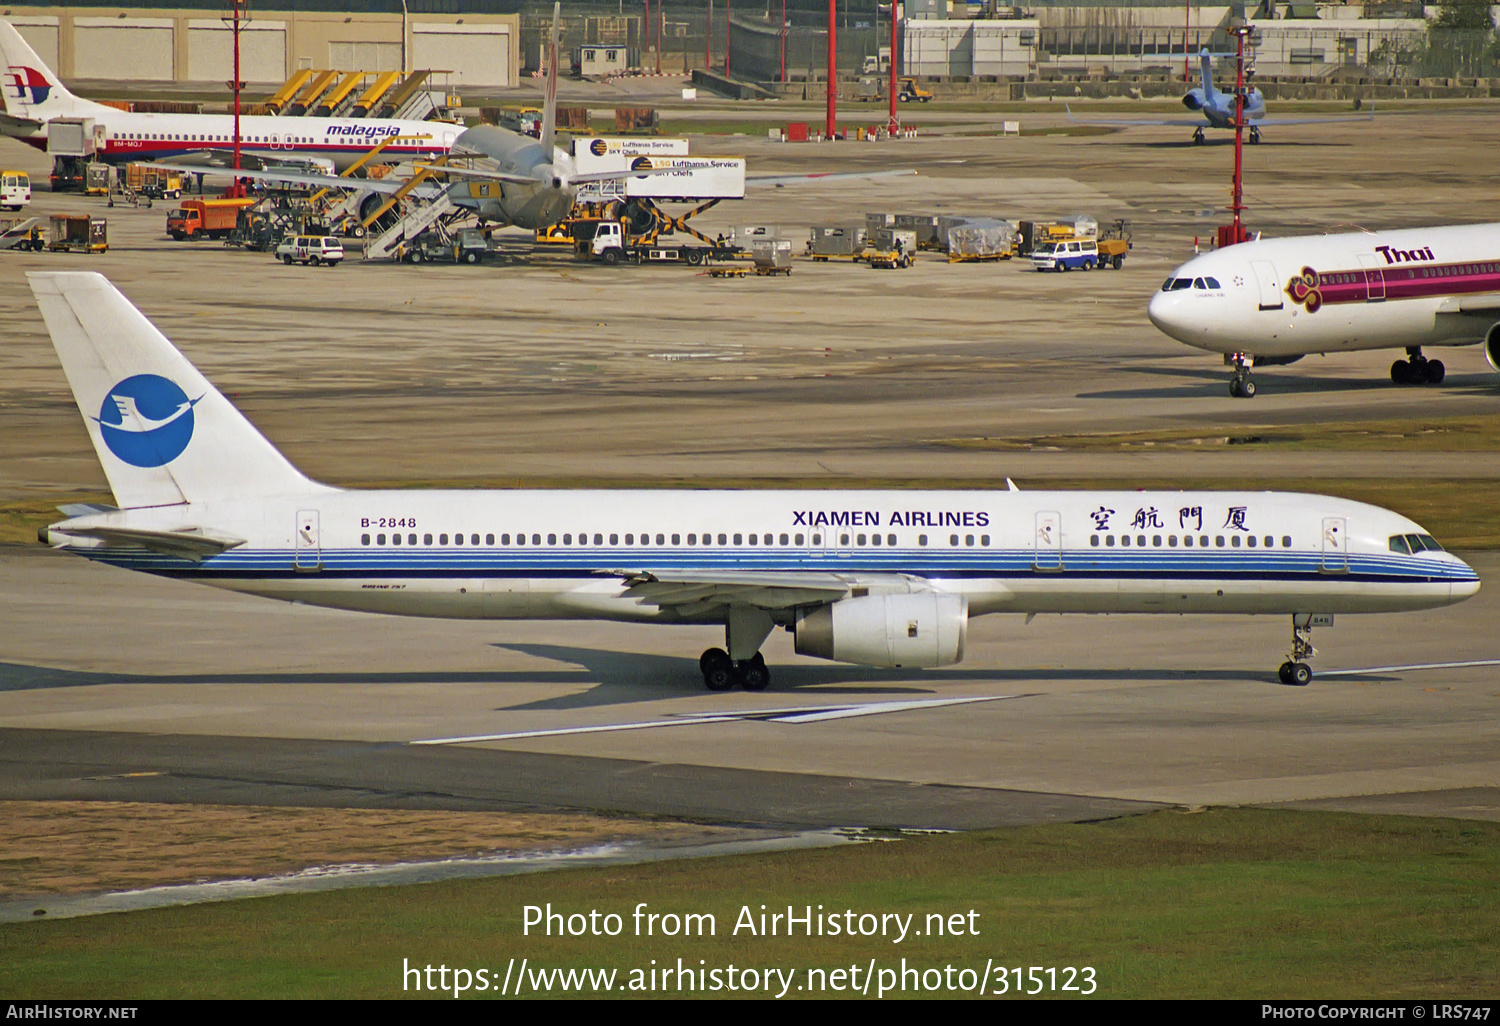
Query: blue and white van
x=1068 y=255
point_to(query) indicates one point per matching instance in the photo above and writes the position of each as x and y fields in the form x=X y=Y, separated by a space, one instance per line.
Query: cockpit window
x=1398 y=544
x=1174 y=284
x=1213 y=283
x=1415 y=543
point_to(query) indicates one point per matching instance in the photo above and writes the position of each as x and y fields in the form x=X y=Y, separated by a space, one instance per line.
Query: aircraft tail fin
x=32 y=91
x=1206 y=73
x=163 y=434
x=549 y=106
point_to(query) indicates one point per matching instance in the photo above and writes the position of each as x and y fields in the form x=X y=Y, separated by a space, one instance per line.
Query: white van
x=15 y=190
x=1066 y=256
x=311 y=249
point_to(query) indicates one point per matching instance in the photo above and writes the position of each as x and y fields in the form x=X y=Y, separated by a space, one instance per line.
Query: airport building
x=191 y=42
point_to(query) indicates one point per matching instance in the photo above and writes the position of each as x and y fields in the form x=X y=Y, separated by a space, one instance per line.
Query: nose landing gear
x=1197 y=137
x=1295 y=670
x=1241 y=385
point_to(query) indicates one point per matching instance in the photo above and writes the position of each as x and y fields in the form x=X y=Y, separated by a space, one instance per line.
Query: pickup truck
x=311 y=249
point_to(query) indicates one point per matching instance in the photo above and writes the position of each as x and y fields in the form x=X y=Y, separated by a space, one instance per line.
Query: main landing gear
x=721 y=673
x=1197 y=137
x=1254 y=136
x=1417 y=369
x=745 y=630
x=1295 y=670
x=1241 y=385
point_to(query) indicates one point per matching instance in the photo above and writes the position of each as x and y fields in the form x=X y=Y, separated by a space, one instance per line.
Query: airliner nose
x=1165 y=311
x=1462 y=589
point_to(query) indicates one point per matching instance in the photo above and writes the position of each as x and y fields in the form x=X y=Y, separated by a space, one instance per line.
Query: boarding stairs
x=414 y=222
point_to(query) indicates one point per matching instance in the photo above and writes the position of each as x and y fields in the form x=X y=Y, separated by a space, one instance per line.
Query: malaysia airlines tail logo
x=147 y=421
x=30 y=85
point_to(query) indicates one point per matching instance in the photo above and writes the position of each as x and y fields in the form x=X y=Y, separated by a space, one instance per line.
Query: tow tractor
x=465 y=246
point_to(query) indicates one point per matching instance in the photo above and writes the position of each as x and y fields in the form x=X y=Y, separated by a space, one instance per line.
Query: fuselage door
x=1335 y=546
x=309 y=548
x=1271 y=296
x=1048 y=555
x=1374 y=277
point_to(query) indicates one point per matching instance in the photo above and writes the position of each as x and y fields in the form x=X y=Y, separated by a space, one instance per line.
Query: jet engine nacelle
x=923 y=629
x=1193 y=100
x=1492 y=346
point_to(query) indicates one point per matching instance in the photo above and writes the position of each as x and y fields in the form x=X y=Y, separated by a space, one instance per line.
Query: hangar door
x=124 y=49
x=41 y=36
x=359 y=55
x=211 y=51
x=475 y=54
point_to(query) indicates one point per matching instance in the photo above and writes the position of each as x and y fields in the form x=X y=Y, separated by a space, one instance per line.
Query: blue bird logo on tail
x=146 y=420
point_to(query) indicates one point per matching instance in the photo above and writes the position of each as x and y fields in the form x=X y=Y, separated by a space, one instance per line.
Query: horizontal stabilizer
x=193 y=543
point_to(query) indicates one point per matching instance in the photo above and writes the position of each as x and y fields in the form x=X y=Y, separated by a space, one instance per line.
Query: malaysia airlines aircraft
x=1216 y=108
x=34 y=96
x=1276 y=300
x=875 y=578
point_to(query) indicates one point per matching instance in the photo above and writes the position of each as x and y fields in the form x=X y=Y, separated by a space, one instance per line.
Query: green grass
x=1226 y=903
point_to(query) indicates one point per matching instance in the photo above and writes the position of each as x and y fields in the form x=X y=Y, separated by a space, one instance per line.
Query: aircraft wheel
x=1401 y=372
x=1434 y=372
x=1247 y=389
x=753 y=674
x=1285 y=672
x=718 y=670
x=1301 y=675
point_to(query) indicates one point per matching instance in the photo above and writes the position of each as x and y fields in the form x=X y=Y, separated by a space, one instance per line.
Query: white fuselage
x=574 y=554
x=1337 y=293
x=123 y=136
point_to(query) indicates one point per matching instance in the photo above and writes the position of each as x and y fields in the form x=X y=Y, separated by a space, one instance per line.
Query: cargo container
x=837 y=242
x=82 y=233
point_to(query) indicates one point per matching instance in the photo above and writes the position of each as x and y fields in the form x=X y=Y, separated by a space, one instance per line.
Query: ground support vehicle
x=79 y=233
x=206 y=218
x=1114 y=245
x=889 y=258
x=15 y=190
x=23 y=234
x=729 y=272
x=153 y=182
x=311 y=249
x=909 y=92
x=466 y=246
x=1069 y=255
x=610 y=244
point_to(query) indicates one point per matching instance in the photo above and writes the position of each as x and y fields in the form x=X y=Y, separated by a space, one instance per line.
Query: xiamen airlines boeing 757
x=867 y=577
x=1276 y=300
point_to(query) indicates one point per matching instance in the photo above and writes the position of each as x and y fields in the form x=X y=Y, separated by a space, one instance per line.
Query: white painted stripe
x=1411 y=666
x=795 y=714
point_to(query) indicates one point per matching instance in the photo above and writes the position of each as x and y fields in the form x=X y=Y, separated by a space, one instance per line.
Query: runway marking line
x=794 y=714
x=1412 y=666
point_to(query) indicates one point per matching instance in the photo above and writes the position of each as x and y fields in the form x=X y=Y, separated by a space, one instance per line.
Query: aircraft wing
x=1204 y=122
x=189 y=543
x=383 y=185
x=1480 y=304
x=821 y=176
x=693 y=591
x=474 y=172
x=1313 y=121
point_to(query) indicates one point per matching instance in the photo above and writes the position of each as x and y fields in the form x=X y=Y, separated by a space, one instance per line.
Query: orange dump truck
x=205 y=218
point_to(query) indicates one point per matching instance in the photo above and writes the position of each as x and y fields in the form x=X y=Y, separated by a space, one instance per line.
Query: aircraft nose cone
x=1460 y=590
x=1165 y=311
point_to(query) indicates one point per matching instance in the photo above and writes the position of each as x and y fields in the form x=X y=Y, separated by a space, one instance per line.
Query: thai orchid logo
x=1303 y=288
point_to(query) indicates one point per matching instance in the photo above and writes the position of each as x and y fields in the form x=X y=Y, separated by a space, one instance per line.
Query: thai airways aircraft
x=867 y=577
x=35 y=96
x=1217 y=108
x=1273 y=301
